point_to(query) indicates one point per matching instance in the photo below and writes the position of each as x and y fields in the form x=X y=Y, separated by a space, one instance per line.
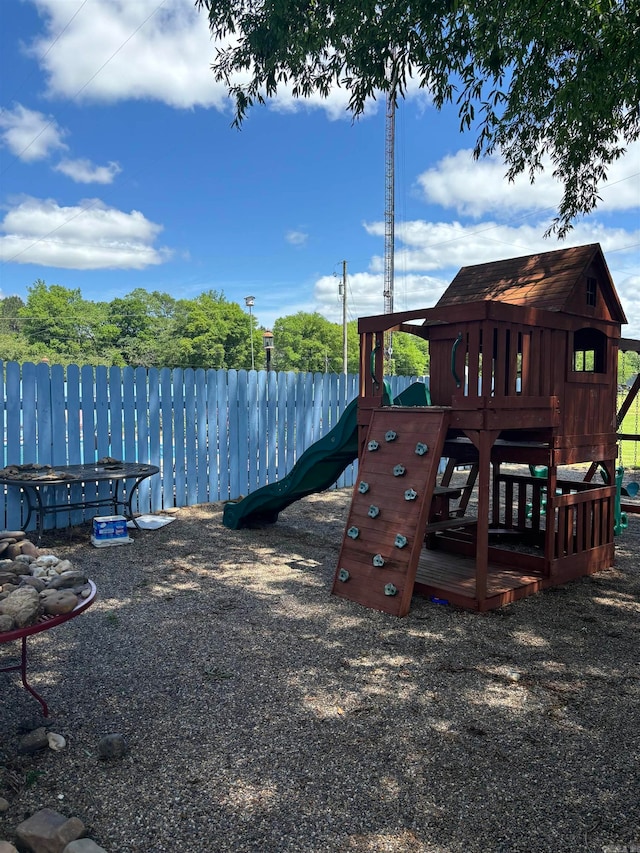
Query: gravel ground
x=262 y=714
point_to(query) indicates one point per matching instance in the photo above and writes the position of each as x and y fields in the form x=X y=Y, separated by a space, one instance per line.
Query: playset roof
x=548 y=280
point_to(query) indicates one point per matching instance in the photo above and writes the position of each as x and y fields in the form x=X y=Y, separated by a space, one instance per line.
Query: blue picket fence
x=214 y=434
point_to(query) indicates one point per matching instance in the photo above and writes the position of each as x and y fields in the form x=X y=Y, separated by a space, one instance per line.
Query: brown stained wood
x=396 y=515
x=446 y=572
x=522 y=402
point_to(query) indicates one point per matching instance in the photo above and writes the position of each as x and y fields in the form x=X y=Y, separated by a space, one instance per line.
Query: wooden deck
x=451 y=577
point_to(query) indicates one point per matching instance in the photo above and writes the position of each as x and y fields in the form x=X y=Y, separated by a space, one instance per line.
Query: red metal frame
x=44 y=623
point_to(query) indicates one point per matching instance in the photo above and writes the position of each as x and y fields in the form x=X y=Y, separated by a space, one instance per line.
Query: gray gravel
x=262 y=714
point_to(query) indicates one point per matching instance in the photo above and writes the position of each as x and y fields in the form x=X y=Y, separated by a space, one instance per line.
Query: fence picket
x=215 y=434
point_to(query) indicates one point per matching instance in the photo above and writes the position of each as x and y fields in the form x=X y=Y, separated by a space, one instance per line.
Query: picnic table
x=38 y=481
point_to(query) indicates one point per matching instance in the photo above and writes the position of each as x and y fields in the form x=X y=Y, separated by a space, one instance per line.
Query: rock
x=14 y=550
x=112 y=746
x=5 y=847
x=56 y=741
x=47 y=560
x=38 y=571
x=55 y=602
x=67 y=580
x=23 y=606
x=37 y=583
x=8 y=577
x=4 y=804
x=82 y=845
x=13 y=534
x=47 y=831
x=4 y=545
x=28 y=550
x=33 y=741
x=6 y=623
x=25 y=558
x=64 y=566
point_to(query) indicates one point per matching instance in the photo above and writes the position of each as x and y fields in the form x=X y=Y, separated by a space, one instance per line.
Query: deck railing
x=581 y=514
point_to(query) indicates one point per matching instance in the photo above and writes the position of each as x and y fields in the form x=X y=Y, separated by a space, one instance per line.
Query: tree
x=10 y=314
x=145 y=325
x=212 y=333
x=308 y=343
x=557 y=79
x=410 y=355
x=60 y=319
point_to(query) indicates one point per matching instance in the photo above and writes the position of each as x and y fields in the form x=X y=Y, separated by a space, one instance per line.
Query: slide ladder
x=390 y=507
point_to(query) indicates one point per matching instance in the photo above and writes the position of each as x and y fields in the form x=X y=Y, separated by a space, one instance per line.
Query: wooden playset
x=523 y=370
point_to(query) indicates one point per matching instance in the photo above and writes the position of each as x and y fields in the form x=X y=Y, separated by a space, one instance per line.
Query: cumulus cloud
x=479 y=188
x=112 y=51
x=364 y=294
x=86 y=236
x=432 y=246
x=429 y=254
x=30 y=135
x=296 y=238
x=83 y=171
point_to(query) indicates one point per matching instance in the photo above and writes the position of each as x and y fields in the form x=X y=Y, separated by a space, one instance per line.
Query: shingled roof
x=547 y=280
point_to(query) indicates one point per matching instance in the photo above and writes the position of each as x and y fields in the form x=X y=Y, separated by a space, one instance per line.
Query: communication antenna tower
x=389 y=217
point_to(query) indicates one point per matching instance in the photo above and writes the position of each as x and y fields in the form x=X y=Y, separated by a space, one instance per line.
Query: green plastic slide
x=317 y=469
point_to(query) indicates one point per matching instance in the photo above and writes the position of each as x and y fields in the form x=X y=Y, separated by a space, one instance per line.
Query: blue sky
x=119 y=169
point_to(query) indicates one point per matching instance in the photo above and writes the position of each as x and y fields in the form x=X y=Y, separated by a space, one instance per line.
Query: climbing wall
x=390 y=508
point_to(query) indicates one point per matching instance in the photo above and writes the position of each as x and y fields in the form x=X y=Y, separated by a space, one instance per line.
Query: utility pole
x=342 y=288
x=389 y=218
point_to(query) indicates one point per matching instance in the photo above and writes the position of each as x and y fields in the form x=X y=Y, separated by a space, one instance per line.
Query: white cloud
x=89 y=235
x=477 y=188
x=435 y=246
x=296 y=238
x=85 y=172
x=364 y=294
x=429 y=254
x=114 y=50
x=30 y=135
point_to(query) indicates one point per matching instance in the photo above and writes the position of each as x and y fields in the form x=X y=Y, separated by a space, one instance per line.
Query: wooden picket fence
x=214 y=434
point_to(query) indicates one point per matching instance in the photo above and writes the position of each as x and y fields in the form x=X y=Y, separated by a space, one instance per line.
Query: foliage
x=10 y=314
x=410 y=355
x=557 y=79
x=212 y=332
x=307 y=342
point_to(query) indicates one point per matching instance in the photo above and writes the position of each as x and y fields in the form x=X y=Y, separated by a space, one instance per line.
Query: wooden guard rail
x=583 y=514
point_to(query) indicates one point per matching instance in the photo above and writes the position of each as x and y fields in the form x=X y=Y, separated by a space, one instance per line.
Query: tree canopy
x=557 y=79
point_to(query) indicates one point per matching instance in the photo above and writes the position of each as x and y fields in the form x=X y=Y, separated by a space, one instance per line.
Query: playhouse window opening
x=589 y=351
x=591 y=292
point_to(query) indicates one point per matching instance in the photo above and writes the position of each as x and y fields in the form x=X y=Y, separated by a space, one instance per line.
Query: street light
x=250 y=301
x=267 y=343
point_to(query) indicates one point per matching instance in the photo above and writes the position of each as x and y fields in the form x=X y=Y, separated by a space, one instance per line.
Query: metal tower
x=389 y=219
x=389 y=201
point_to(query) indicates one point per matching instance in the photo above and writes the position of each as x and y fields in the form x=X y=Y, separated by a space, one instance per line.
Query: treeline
x=144 y=329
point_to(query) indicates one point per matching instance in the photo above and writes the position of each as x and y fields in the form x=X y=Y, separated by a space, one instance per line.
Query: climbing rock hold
x=373 y=445
x=400 y=541
x=421 y=448
x=399 y=471
x=390 y=435
x=410 y=495
x=378 y=561
x=343 y=575
x=363 y=487
x=353 y=532
x=373 y=511
x=390 y=589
